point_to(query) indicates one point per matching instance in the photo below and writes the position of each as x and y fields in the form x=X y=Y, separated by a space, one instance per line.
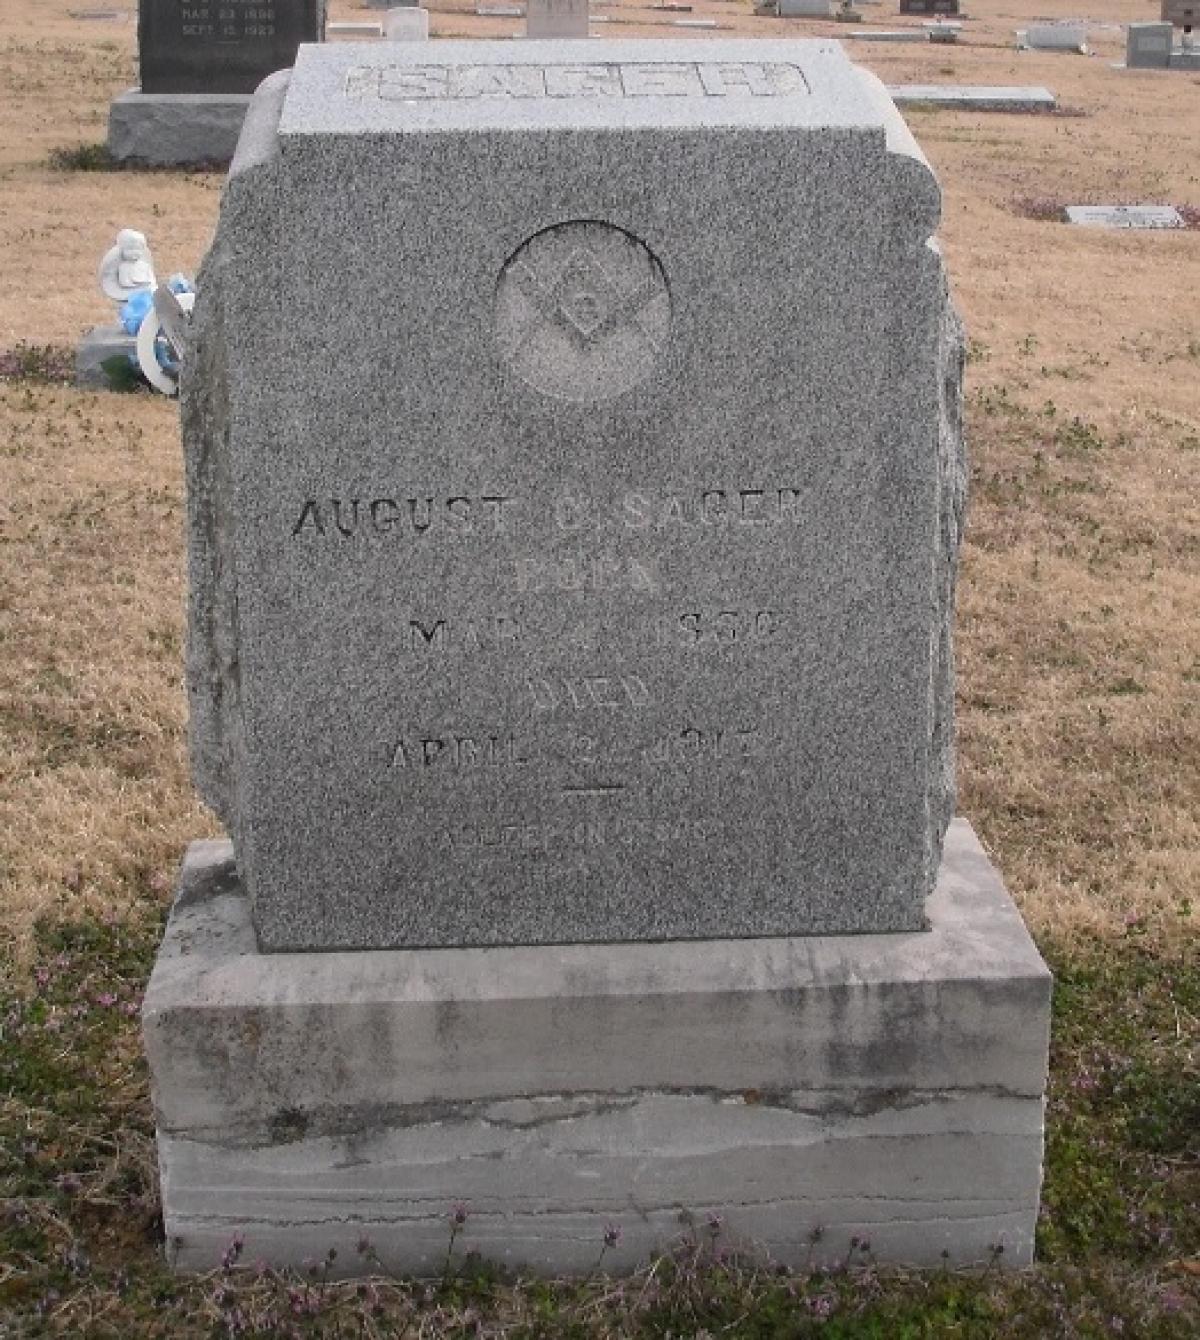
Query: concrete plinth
x=175 y=129
x=96 y=347
x=888 y=1087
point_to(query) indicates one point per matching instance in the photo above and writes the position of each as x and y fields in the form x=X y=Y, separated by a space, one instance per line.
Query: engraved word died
x=582 y=311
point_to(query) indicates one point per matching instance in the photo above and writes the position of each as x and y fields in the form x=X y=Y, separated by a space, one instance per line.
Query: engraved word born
x=632 y=79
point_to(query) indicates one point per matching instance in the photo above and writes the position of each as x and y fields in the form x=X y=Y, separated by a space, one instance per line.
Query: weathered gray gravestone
x=1148 y=46
x=199 y=61
x=575 y=633
x=613 y=611
x=556 y=18
x=805 y=9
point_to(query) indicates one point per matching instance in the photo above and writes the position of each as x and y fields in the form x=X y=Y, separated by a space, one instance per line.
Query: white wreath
x=147 y=348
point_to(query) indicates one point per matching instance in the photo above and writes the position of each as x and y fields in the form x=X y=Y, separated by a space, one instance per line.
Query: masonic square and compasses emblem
x=582 y=311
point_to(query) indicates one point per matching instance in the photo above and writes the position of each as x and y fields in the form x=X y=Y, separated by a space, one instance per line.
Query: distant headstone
x=805 y=9
x=977 y=97
x=1180 y=13
x=1148 y=46
x=1125 y=216
x=556 y=18
x=221 y=46
x=1054 y=37
x=929 y=6
x=199 y=64
x=408 y=24
x=354 y=31
x=584 y=627
x=888 y=35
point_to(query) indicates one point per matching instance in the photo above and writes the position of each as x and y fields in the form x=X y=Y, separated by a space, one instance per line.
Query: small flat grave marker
x=1125 y=216
x=886 y=35
x=977 y=97
x=353 y=30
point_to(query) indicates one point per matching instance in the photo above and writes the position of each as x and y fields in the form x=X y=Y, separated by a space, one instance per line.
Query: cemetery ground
x=1078 y=652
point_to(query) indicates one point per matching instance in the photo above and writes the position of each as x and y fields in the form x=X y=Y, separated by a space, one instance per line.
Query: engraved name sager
x=582 y=311
x=626 y=79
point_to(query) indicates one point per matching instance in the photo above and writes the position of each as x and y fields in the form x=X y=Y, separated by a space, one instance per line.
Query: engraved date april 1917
x=446 y=752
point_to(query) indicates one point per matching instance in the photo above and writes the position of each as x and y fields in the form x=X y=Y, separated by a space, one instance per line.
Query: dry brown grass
x=94 y=802
x=1078 y=645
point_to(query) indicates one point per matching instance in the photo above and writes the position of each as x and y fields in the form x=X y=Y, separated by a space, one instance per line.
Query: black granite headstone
x=221 y=46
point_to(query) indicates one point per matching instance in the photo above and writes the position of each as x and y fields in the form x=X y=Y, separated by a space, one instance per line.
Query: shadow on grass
x=96 y=158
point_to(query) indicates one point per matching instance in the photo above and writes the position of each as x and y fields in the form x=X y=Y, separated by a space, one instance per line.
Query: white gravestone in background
x=556 y=18
x=409 y=24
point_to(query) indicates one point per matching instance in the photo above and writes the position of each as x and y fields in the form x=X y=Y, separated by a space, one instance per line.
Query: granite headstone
x=617 y=606
x=556 y=18
x=221 y=46
x=407 y=23
x=1181 y=13
x=1148 y=46
x=574 y=483
x=929 y=6
x=805 y=9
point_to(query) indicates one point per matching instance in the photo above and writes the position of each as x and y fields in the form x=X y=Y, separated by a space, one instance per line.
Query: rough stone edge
x=913 y=172
x=213 y=670
x=952 y=502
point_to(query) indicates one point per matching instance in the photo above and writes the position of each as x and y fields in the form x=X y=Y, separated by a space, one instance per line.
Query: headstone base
x=175 y=129
x=96 y=347
x=808 y=1090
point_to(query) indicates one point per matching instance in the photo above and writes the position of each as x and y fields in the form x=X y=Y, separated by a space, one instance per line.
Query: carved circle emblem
x=582 y=311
